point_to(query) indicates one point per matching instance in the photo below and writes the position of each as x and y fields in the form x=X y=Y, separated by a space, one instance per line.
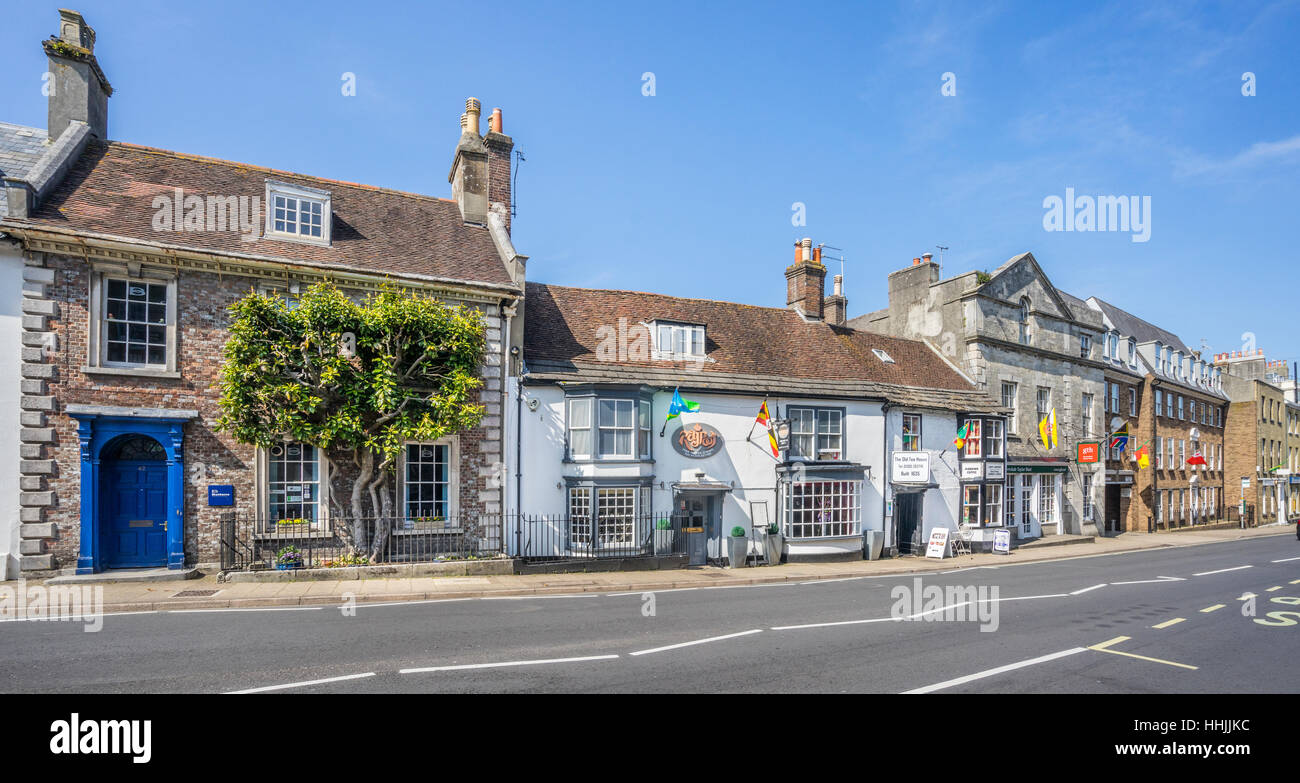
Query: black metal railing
x=259 y=543
x=255 y=543
x=571 y=537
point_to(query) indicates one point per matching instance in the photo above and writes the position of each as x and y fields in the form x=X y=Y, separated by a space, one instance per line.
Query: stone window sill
x=138 y=372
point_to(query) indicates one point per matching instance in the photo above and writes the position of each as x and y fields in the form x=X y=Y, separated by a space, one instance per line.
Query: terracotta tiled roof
x=749 y=348
x=110 y=191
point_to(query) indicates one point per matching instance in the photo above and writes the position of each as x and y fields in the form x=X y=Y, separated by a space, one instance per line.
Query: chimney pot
x=494 y=124
x=927 y=257
x=472 y=110
x=839 y=285
x=916 y=262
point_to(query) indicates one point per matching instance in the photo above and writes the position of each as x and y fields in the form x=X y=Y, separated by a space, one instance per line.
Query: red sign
x=1089 y=452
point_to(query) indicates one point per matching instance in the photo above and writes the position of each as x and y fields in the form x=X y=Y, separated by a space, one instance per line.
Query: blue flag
x=679 y=406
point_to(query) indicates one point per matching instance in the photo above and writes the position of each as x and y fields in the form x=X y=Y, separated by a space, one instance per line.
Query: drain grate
x=195 y=593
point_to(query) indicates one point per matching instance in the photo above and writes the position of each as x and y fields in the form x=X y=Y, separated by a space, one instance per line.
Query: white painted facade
x=11 y=317
x=745 y=469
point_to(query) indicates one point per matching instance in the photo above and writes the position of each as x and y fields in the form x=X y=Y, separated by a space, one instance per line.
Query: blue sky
x=756 y=107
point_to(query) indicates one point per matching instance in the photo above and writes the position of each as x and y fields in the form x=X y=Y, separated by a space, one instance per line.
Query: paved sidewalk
x=150 y=596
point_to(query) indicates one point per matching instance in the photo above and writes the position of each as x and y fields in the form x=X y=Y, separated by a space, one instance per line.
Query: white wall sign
x=1002 y=542
x=910 y=467
x=995 y=470
x=938 y=543
x=972 y=470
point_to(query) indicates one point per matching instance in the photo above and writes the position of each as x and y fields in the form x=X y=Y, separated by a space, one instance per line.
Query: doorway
x=907 y=507
x=699 y=517
x=1113 y=523
x=134 y=476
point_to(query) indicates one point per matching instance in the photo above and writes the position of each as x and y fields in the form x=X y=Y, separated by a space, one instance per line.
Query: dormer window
x=675 y=340
x=1132 y=352
x=297 y=213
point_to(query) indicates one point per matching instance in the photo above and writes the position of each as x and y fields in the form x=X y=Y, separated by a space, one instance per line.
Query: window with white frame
x=1044 y=401
x=602 y=428
x=992 y=504
x=1180 y=408
x=823 y=509
x=970 y=505
x=816 y=433
x=1086 y=418
x=133 y=324
x=294 y=487
x=674 y=339
x=1085 y=346
x=428 y=483
x=1132 y=352
x=974 y=434
x=1160 y=452
x=1011 y=501
x=1112 y=390
x=603 y=517
x=993 y=438
x=297 y=213
x=911 y=432
x=1047 y=499
x=1132 y=401
x=1009 y=399
x=1087 y=495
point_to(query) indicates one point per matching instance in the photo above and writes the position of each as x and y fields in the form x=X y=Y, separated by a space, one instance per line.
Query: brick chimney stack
x=469 y=169
x=80 y=91
x=805 y=281
x=499 y=147
x=836 y=306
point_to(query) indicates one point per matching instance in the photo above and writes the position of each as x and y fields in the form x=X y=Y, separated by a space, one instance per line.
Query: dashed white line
x=304 y=684
x=697 y=641
x=643 y=592
x=1088 y=589
x=259 y=609
x=465 y=666
x=1222 y=570
x=1153 y=581
x=543 y=595
x=999 y=670
x=835 y=623
x=828 y=581
x=1285 y=560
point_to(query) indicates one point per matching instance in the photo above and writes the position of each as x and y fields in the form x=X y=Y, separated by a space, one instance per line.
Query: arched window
x=1024 y=321
x=136 y=448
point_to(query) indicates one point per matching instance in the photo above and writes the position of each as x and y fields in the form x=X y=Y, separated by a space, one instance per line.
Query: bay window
x=823 y=509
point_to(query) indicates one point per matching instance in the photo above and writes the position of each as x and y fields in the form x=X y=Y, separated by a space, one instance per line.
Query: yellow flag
x=1042 y=432
x=1052 y=416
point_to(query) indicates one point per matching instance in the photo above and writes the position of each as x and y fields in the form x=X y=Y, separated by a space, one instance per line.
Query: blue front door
x=135 y=500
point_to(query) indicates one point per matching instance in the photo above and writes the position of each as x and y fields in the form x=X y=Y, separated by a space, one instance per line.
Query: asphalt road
x=1169 y=621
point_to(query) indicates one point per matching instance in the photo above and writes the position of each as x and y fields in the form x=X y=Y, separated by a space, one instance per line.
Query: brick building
x=1172 y=402
x=1258 y=474
x=131 y=258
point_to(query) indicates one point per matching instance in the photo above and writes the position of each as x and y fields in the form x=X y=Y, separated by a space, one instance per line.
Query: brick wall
x=1178 y=476
x=53 y=372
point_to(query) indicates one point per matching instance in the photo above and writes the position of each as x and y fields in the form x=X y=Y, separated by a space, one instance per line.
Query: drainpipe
x=1155 y=422
x=884 y=480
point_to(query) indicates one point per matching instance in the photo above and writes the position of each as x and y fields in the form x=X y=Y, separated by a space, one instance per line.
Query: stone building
x=1173 y=404
x=1258 y=477
x=131 y=257
x=1033 y=349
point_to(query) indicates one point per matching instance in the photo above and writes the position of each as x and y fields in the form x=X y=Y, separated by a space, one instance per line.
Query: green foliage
x=339 y=374
x=982 y=277
x=738 y=532
x=664 y=524
x=774 y=529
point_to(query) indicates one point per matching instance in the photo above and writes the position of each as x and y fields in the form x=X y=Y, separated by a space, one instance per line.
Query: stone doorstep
x=126 y=575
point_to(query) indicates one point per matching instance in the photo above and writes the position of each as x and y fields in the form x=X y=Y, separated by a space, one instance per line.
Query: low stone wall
x=498 y=566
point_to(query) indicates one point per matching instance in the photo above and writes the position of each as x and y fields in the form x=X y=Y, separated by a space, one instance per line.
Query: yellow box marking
x=1168 y=623
x=1208 y=609
x=1105 y=647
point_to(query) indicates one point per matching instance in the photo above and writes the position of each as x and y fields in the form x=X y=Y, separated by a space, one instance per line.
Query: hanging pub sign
x=1089 y=452
x=697 y=441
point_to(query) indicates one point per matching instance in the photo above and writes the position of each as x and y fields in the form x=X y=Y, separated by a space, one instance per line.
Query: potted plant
x=739 y=547
x=663 y=537
x=288 y=558
x=775 y=543
x=292 y=526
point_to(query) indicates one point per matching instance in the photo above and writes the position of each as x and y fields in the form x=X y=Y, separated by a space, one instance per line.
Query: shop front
x=1119 y=494
x=1035 y=493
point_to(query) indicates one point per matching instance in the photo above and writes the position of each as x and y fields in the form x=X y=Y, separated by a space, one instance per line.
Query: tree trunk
x=359 y=537
x=384 y=509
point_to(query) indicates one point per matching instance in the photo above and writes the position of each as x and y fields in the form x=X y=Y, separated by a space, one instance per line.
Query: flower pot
x=738 y=550
x=663 y=542
x=775 y=542
x=287 y=566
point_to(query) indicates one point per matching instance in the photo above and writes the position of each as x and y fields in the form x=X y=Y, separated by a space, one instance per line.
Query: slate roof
x=110 y=191
x=750 y=348
x=1130 y=325
x=20 y=148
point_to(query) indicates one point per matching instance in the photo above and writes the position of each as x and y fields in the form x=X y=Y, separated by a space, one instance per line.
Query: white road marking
x=1088 y=589
x=259 y=609
x=304 y=684
x=77 y=618
x=643 y=592
x=1153 y=581
x=838 y=622
x=697 y=641
x=1285 y=560
x=828 y=581
x=462 y=667
x=411 y=603
x=1027 y=597
x=999 y=670
x=1222 y=570
x=543 y=595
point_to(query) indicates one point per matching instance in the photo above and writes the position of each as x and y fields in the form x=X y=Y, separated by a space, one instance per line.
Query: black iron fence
x=256 y=543
x=571 y=537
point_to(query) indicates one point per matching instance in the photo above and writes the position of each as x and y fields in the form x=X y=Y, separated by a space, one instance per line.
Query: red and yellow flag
x=764 y=418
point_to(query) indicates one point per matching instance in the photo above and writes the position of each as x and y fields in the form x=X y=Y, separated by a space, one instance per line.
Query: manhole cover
x=195 y=593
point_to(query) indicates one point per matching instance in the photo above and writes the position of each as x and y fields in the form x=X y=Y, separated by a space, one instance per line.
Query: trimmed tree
x=359 y=379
